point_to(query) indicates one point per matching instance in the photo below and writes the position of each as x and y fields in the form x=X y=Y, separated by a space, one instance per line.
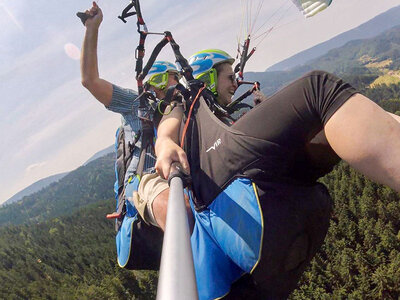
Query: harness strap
x=147 y=145
x=126 y=145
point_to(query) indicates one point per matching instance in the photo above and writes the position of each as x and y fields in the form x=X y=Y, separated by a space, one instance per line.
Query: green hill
x=376 y=56
x=366 y=30
x=360 y=258
x=71 y=257
x=364 y=63
x=34 y=187
x=87 y=184
x=57 y=243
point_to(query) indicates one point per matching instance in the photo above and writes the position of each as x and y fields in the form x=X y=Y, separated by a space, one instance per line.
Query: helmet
x=205 y=60
x=158 y=74
x=203 y=64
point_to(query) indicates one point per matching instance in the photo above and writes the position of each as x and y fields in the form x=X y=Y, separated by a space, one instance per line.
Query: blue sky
x=50 y=124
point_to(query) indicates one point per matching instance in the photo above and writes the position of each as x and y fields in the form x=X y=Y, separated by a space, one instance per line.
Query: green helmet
x=158 y=74
x=203 y=64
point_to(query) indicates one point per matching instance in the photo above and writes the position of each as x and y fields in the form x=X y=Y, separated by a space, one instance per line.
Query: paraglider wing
x=311 y=7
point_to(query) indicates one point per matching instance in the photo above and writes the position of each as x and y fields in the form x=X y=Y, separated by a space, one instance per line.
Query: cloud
x=42 y=53
x=62 y=114
x=71 y=155
x=32 y=167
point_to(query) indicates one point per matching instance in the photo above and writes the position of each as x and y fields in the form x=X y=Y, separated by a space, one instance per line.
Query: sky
x=50 y=124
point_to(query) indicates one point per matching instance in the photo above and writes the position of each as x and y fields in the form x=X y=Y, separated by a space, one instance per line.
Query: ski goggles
x=158 y=80
x=210 y=79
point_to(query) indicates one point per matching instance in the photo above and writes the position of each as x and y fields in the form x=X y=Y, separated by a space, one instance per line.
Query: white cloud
x=30 y=58
x=72 y=155
x=32 y=167
x=63 y=114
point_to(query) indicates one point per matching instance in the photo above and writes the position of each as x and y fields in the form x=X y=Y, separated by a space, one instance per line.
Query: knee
x=319 y=73
x=315 y=81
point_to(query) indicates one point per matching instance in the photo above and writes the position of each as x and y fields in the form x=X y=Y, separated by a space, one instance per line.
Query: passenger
x=126 y=102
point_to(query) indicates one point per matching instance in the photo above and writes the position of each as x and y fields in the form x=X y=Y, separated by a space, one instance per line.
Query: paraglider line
x=275 y=12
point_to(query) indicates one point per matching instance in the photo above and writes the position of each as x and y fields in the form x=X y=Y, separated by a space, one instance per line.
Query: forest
x=72 y=257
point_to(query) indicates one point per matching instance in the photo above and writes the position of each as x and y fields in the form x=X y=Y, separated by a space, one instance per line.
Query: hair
x=218 y=67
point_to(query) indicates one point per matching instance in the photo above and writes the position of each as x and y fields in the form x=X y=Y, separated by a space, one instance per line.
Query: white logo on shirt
x=216 y=144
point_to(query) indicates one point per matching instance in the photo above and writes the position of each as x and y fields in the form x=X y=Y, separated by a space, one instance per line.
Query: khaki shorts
x=150 y=186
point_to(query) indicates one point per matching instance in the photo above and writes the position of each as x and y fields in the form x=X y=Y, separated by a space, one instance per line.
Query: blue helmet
x=203 y=61
x=203 y=64
x=158 y=74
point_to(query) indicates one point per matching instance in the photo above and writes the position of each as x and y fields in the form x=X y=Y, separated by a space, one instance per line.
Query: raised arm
x=167 y=144
x=100 y=88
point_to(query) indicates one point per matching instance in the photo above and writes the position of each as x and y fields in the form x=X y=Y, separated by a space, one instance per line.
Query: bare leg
x=368 y=138
x=396 y=117
x=160 y=204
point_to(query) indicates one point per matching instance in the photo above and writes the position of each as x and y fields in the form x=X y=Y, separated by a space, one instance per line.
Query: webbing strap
x=147 y=145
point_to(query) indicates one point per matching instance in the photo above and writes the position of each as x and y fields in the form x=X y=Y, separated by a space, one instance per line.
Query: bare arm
x=167 y=144
x=100 y=88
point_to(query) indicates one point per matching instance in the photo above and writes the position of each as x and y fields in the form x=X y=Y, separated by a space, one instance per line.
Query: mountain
x=42 y=183
x=108 y=150
x=377 y=56
x=34 y=187
x=369 y=29
x=366 y=63
x=85 y=185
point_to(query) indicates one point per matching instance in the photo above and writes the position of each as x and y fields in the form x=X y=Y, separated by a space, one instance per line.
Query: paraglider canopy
x=310 y=7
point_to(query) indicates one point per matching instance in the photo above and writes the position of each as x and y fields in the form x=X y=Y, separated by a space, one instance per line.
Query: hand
x=96 y=16
x=169 y=152
x=258 y=97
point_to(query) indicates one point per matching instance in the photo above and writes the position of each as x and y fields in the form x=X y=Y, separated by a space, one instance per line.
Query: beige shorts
x=150 y=186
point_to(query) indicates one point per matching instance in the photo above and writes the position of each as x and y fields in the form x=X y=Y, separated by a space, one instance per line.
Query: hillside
x=101 y=153
x=360 y=258
x=34 y=187
x=364 y=63
x=73 y=257
x=369 y=29
x=87 y=184
x=374 y=56
x=70 y=257
x=38 y=185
